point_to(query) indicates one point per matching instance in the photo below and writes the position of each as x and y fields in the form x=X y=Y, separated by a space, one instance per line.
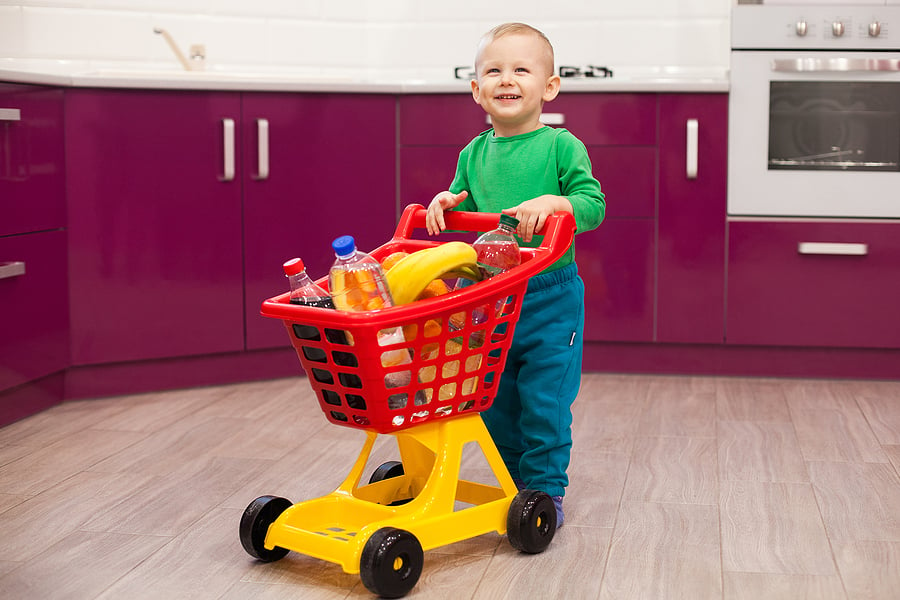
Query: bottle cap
x=344 y=245
x=509 y=220
x=294 y=266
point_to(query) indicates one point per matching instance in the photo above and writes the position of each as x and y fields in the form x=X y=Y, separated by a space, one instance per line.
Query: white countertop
x=74 y=73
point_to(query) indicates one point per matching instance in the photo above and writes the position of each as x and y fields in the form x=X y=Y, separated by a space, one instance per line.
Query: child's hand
x=532 y=214
x=434 y=216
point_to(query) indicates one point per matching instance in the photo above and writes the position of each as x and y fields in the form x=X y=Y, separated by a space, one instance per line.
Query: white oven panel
x=790 y=175
x=819 y=26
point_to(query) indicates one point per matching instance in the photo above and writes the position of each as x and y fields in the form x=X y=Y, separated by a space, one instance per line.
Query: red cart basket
x=457 y=342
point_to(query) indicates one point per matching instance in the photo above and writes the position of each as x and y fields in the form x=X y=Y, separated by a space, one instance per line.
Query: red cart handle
x=558 y=231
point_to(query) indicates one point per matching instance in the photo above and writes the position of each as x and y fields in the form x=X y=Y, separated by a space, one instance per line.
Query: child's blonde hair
x=510 y=29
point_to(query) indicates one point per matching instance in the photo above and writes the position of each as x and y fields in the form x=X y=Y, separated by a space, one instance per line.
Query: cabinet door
x=155 y=230
x=842 y=290
x=34 y=320
x=616 y=264
x=691 y=246
x=32 y=184
x=331 y=172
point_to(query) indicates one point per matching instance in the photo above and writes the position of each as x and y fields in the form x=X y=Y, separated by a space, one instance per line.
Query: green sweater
x=502 y=172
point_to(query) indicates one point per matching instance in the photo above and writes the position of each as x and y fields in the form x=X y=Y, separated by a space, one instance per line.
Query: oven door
x=814 y=134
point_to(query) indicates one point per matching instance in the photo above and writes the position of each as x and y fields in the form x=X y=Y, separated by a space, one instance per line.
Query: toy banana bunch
x=410 y=276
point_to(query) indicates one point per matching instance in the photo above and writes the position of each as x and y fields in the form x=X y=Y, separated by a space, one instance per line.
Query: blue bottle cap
x=344 y=245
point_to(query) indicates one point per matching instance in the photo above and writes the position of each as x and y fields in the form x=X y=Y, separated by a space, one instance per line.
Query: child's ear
x=552 y=89
x=476 y=91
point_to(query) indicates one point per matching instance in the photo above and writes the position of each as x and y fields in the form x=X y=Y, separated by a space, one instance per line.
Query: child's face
x=514 y=77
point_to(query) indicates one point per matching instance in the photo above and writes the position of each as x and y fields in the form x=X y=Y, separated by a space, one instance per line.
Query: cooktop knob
x=802 y=28
x=874 y=29
x=837 y=29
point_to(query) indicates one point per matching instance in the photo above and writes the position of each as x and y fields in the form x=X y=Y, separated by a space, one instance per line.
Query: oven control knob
x=874 y=29
x=837 y=29
x=802 y=28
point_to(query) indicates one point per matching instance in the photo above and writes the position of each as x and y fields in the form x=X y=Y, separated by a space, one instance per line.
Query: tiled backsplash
x=375 y=35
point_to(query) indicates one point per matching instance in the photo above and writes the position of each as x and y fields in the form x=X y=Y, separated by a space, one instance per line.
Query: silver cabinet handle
x=12 y=269
x=262 y=149
x=693 y=129
x=834 y=65
x=833 y=248
x=228 y=149
x=546 y=119
x=10 y=114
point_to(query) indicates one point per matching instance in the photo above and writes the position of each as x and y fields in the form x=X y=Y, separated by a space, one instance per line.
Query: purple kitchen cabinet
x=155 y=225
x=331 y=172
x=692 y=208
x=439 y=119
x=34 y=320
x=32 y=184
x=608 y=119
x=616 y=263
x=814 y=283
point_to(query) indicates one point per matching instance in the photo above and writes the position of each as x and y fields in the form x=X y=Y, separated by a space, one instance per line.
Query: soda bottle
x=498 y=250
x=303 y=289
x=357 y=283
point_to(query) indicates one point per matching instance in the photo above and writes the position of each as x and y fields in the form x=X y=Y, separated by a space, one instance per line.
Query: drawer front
x=608 y=119
x=440 y=120
x=814 y=284
x=596 y=119
x=35 y=318
x=32 y=188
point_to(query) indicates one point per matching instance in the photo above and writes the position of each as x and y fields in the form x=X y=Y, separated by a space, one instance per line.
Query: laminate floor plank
x=778 y=586
x=760 y=451
x=673 y=469
x=720 y=488
x=859 y=501
x=773 y=528
x=664 y=551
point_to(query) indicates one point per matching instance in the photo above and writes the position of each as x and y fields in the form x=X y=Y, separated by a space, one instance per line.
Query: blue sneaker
x=557 y=501
x=520 y=485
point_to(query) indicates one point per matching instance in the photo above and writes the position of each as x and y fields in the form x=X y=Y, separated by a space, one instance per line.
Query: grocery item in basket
x=304 y=290
x=498 y=250
x=412 y=274
x=357 y=283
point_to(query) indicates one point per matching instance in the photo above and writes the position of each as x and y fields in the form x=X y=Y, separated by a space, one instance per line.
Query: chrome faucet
x=197 y=52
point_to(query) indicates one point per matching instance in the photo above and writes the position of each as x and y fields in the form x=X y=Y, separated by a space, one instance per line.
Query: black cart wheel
x=388 y=470
x=391 y=562
x=531 y=521
x=255 y=522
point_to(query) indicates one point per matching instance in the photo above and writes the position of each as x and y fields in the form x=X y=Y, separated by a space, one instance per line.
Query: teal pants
x=530 y=420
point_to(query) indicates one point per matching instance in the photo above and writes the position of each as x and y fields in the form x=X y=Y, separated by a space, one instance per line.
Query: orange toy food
x=392 y=259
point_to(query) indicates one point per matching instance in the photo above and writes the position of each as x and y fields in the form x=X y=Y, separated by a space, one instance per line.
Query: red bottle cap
x=294 y=266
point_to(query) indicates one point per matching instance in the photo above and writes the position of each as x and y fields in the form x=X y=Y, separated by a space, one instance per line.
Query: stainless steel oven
x=814 y=113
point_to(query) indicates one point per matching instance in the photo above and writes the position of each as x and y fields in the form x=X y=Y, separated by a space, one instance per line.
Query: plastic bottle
x=357 y=283
x=498 y=250
x=303 y=289
x=356 y=279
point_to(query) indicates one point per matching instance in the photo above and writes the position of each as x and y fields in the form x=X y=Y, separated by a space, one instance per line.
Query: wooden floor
x=681 y=487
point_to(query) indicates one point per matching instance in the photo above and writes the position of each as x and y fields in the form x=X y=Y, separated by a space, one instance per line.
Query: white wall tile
x=369 y=34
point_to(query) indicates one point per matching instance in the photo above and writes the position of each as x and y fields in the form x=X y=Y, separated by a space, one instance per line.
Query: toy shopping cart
x=458 y=344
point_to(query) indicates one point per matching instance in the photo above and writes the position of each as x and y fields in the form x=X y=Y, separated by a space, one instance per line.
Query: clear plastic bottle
x=356 y=279
x=498 y=250
x=357 y=283
x=303 y=289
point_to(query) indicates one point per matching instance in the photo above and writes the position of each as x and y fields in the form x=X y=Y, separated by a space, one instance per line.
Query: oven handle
x=835 y=65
